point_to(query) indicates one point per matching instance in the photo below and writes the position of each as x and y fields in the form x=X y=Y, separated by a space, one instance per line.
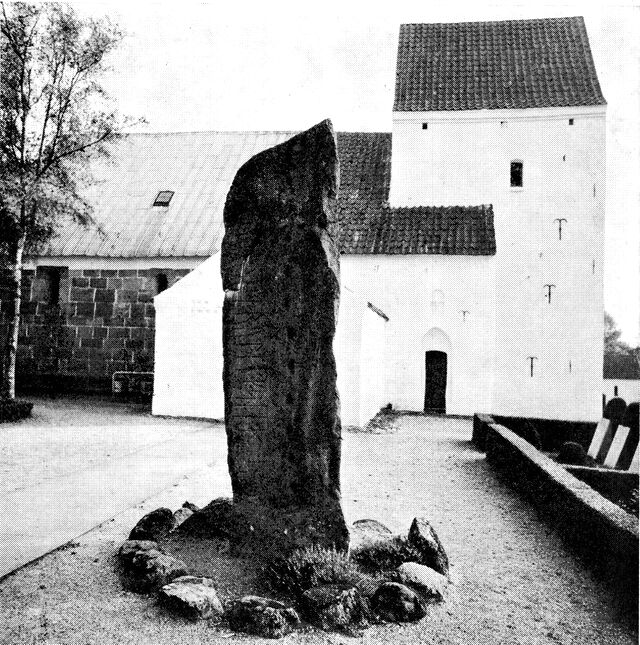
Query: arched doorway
x=436 y=346
x=435 y=382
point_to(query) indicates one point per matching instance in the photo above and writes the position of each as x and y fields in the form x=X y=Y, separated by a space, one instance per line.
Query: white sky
x=287 y=65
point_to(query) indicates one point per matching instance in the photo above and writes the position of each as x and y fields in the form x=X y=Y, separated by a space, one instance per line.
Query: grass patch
x=313 y=566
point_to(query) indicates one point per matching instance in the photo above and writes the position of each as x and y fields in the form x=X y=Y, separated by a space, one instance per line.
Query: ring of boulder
x=192 y=597
x=333 y=606
x=261 y=617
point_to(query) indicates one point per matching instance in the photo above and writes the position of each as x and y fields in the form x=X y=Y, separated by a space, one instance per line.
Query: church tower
x=511 y=114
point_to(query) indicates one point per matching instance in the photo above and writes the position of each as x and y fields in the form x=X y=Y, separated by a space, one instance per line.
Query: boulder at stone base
x=430 y=583
x=397 y=603
x=181 y=515
x=365 y=532
x=333 y=606
x=154 y=525
x=131 y=548
x=216 y=520
x=423 y=538
x=192 y=597
x=153 y=569
x=261 y=617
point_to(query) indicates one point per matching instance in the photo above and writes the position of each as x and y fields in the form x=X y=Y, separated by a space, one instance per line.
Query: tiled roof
x=620 y=366
x=492 y=65
x=433 y=230
x=199 y=168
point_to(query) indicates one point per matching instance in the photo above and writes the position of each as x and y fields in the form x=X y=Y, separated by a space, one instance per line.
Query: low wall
x=481 y=423
x=603 y=534
x=615 y=485
x=553 y=433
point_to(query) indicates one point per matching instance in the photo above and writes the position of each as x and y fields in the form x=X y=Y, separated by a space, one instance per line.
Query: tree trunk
x=11 y=348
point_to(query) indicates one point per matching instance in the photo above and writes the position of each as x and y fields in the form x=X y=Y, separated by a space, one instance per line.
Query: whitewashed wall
x=420 y=294
x=463 y=158
x=628 y=389
x=188 y=354
x=188 y=346
x=361 y=362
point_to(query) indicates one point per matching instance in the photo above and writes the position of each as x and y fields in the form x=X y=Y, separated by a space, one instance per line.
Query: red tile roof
x=431 y=230
x=493 y=65
x=199 y=168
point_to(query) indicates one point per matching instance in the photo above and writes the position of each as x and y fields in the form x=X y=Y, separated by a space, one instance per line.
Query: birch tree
x=54 y=117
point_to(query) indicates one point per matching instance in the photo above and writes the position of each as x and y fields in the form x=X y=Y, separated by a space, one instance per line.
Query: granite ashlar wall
x=81 y=326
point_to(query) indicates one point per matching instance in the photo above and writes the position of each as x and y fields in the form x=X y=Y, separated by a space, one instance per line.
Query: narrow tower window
x=425 y=126
x=516 y=174
x=570 y=121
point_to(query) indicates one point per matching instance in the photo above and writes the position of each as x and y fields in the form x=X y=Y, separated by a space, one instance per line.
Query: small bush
x=572 y=453
x=386 y=555
x=310 y=567
x=12 y=410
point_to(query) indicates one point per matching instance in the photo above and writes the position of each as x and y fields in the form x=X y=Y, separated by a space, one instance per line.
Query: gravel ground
x=66 y=434
x=515 y=582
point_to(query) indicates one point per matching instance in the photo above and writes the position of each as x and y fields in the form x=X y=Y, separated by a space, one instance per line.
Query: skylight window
x=163 y=198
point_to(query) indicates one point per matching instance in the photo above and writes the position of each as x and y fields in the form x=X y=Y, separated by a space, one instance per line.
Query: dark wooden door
x=435 y=387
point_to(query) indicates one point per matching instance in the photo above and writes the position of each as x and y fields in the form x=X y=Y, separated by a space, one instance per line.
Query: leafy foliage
x=620 y=359
x=54 y=117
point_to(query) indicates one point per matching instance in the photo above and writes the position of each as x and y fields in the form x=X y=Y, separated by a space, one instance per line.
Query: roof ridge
x=493 y=22
x=252 y=132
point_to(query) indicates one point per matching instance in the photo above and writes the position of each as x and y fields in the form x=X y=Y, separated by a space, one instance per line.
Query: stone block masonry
x=78 y=326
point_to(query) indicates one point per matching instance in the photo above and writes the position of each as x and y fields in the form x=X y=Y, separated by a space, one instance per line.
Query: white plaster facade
x=424 y=297
x=187 y=379
x=464 y=158
x=627 y=389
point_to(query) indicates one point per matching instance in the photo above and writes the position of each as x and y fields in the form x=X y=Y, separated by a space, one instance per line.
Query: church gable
x=495 y=65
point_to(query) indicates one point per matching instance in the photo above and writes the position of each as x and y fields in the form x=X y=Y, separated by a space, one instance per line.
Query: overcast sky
x=287 y=65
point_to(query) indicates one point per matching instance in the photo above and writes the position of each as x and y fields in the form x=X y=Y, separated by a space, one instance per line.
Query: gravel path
x=515 y=581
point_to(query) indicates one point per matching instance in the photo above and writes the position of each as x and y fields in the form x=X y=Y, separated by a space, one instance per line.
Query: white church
x=472 y=237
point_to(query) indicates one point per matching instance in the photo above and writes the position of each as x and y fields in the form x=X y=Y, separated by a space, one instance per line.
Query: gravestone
x=280 y=273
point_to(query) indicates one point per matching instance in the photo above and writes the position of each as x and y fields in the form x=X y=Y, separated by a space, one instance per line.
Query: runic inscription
x=280 y=273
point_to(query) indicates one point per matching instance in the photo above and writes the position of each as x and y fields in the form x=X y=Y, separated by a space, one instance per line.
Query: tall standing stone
x=280 y=273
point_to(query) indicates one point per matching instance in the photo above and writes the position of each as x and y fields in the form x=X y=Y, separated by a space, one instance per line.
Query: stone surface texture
x=215 y=520
x=131 y=548
x=192 y=597
x=430 y=583
x=423 y=537
x=150 y=570
x=365 y=532
x=181 y=515
x=333 y=606
x=280 y=273
x=396 y=603
x=261 y=617
x=154 y=525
